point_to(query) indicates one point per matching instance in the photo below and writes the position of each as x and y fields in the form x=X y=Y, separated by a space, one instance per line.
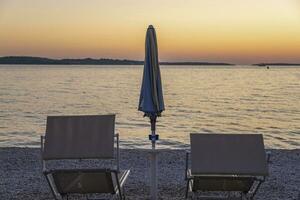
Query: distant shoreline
x=30 y=60
x=276 y=64
x=27 y=60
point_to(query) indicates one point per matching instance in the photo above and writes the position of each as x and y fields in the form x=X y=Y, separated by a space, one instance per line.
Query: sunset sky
x=235 y=31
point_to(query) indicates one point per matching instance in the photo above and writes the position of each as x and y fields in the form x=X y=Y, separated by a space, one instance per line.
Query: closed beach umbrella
x=151 y=98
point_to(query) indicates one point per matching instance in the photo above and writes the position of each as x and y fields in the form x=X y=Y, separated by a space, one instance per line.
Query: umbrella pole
x=153 y=167
x=153 y=128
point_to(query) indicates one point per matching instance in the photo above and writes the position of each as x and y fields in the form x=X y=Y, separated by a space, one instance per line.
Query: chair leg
x=123 y=190
x=241 y=195
x=256 y=189
x=120 y=196
x=247 y=196
x=187 y=188
x=228 y=195
x=194 y=195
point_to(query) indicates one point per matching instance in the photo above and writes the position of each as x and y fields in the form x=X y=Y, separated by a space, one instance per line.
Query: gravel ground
x=21 y=177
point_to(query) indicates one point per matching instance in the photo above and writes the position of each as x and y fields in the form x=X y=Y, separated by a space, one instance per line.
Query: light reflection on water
x=197 y=99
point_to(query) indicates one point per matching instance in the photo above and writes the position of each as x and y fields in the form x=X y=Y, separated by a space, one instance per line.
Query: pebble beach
x=21 y=174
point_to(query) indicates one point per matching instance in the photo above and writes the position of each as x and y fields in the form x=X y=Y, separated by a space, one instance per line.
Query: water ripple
x=198 y=99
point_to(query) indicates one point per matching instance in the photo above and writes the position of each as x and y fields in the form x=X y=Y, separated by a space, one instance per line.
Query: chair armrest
x=124 y=177
x=118 y=151
x=186 y=164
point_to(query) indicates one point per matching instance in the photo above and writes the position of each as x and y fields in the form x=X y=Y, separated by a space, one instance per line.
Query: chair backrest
x=79 y=137
x=228 y=154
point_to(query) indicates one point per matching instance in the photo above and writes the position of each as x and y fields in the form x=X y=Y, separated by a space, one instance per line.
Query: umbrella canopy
x=151 y=97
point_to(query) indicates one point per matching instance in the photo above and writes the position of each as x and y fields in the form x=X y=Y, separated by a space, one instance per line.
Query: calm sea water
x=213 y=99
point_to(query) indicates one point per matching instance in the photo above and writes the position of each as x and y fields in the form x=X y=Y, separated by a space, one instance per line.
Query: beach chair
x=230 y=163
x=82 y=137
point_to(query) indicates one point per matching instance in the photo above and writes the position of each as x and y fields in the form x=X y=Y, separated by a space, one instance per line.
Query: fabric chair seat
x=205 y=183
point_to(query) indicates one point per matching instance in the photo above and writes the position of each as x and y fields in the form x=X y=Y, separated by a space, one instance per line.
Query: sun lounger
x=226 y=163
x=82 y=137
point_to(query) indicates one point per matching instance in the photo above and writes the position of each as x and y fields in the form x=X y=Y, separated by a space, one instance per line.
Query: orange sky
x=236 y=31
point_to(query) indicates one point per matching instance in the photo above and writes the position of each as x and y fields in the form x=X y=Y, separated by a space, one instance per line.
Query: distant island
x=16 y=60
x=277 y=64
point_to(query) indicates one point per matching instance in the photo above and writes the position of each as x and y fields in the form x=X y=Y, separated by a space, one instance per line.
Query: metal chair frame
x=189 y=177
x=119 y=190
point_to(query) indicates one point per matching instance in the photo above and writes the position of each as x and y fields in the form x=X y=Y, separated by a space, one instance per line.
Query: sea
x=198 y=99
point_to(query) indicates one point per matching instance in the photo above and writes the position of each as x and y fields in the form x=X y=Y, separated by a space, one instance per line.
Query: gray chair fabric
x=243 y=184
x=85 y=181
x=226 y=162
x=79 y=137
x=232 y=154
x=82 y=137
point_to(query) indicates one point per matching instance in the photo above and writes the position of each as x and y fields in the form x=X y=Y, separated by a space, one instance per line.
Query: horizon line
x=133 y=60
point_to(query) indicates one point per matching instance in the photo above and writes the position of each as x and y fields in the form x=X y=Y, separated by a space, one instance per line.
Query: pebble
x=21 y=174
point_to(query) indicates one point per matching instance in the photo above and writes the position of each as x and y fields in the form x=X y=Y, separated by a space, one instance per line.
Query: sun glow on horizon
x=188 y=30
